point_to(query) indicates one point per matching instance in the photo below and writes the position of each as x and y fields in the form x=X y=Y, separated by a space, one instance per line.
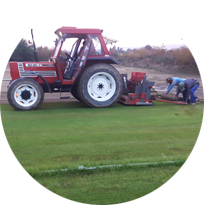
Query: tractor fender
x=39 y=75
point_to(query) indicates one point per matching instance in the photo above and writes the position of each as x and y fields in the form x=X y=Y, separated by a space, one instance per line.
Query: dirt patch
x=159 y=77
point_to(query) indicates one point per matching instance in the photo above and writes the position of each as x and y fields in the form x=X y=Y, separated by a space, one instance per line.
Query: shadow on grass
x=79 y=105
x=70 y=105
x=62 y=105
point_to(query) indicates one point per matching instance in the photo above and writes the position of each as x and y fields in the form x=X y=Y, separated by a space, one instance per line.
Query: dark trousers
x=192 y=94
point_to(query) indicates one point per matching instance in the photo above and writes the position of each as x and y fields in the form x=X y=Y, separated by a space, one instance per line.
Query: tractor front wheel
x=100 y=86
x=25 y=94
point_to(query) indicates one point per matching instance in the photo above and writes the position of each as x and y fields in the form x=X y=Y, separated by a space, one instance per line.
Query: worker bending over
x=172 y=82
x=188 y=88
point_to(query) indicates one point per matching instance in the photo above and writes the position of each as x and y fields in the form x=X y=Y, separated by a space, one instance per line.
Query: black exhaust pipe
x=35 y=51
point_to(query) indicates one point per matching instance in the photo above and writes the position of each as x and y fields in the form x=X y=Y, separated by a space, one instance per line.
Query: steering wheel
x=68 y=56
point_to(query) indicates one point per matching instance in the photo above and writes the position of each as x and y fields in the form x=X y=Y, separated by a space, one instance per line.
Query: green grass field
x=68 y=135
x=159 y=186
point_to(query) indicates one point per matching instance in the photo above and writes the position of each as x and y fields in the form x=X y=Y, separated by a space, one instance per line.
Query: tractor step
x=63 y=90
x=64 y=97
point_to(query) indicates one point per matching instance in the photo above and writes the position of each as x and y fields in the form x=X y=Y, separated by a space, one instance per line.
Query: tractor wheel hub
x=25 y=94
x=100 y=86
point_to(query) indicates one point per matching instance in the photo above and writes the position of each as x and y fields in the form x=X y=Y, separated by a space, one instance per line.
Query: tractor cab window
x=73 y=57
x=68 y=47
x=96 y=48
x=81 y=46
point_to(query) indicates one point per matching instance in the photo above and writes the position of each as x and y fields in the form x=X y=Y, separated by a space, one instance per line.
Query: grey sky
x=132 y=22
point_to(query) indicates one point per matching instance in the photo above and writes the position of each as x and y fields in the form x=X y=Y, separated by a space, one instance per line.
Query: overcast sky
x=133 y=23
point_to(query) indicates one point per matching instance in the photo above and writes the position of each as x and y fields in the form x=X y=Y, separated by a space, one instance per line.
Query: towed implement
x=136 y=90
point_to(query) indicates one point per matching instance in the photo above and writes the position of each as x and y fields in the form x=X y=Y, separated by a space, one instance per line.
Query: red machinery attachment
x=136 y=91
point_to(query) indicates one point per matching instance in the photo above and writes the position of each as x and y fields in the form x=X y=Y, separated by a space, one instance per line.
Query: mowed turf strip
x=67 y=135
x=164 y=185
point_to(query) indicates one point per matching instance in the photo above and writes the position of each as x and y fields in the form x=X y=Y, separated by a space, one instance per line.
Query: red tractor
x=86 y=72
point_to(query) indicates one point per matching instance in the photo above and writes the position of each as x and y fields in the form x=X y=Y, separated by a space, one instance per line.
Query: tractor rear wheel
x=25 y=94
x=100 y=86
x=74 y=91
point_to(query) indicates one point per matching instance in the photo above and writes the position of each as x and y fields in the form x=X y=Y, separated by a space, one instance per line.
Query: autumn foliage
x=153 y=57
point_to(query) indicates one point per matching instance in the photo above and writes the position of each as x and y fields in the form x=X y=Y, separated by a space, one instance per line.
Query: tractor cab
x=88 y=47
x=67 y=57
x=76 y=48
x=80 y=64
